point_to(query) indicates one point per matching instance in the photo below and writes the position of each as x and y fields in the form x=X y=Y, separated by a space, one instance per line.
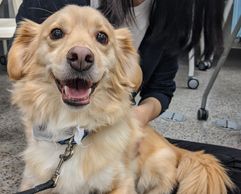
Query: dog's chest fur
x=93 y=167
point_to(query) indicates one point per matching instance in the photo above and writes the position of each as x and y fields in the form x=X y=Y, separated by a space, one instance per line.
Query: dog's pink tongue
x=74 y=93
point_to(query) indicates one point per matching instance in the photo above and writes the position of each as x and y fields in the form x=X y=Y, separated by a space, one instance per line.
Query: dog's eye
x=102 y=38
x=56 y=34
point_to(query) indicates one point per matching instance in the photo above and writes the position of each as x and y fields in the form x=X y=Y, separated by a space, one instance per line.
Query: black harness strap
x=53 y=181
x=48 y=185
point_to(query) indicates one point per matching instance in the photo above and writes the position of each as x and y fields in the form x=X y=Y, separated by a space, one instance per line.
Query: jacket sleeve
x=161 y=85
x=38 y=11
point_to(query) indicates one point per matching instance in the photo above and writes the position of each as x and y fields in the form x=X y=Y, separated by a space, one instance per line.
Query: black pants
x=230 y=158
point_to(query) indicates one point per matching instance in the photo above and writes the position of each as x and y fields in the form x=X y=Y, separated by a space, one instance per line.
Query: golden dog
x=75 y=73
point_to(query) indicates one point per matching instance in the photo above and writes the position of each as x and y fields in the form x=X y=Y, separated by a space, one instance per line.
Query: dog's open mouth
x=76 y=92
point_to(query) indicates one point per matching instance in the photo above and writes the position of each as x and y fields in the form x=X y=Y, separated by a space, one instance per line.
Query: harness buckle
x=68 y=153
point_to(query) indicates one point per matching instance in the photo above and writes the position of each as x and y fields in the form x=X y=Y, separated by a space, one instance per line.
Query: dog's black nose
x=80 y=58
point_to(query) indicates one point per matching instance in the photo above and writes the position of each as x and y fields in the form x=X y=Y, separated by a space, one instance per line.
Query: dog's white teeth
x=73 y=93
x=65 y=89
x=89 y=91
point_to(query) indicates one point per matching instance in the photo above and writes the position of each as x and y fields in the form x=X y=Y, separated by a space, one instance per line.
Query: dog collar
x=78 y=137
x=41 y=133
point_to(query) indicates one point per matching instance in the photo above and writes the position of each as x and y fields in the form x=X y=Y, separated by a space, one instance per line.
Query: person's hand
x=140 y=115
x=148 y=110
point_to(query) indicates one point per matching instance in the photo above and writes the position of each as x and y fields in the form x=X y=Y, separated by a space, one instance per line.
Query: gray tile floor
x=224 y=102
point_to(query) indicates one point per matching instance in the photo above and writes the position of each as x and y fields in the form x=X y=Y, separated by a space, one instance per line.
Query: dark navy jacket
x=159 y=68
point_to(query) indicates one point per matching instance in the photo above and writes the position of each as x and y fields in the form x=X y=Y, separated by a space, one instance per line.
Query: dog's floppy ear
x=22 y=49
x=129 y=58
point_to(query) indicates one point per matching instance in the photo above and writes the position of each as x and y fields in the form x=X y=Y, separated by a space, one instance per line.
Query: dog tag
x=79 y=135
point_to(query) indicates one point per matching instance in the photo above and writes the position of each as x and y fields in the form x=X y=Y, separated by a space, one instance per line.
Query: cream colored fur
x=117 y=157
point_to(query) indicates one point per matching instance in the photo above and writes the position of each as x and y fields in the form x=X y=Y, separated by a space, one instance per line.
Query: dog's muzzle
x=76 y=90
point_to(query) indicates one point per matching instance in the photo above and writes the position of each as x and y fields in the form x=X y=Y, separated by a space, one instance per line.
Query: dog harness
x=40 y=134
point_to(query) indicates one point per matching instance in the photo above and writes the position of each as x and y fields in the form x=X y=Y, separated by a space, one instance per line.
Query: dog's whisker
x=41 y=9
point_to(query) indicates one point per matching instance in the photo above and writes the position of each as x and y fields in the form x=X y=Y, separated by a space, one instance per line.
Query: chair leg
x=192 y=82
x=230 y=37
x=205 y=62
x=191 y=63
x=3 y=59
x=5 y=47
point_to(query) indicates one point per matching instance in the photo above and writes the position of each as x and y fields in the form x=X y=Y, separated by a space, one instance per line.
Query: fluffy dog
x=75 y=73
